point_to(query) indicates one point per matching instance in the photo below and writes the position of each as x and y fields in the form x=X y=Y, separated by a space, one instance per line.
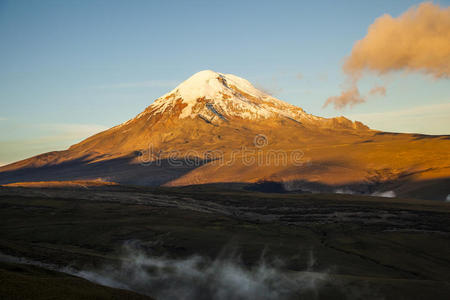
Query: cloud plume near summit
x=417 y=41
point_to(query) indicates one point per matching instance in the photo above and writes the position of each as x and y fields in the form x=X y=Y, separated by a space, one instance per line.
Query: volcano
x=218 y=128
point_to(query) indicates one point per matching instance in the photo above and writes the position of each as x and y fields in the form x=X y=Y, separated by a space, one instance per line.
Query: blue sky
x=72 y=68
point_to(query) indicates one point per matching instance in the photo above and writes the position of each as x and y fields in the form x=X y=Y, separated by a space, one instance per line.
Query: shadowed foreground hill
x=316 y=246
x=218 y=128
x=20 y=281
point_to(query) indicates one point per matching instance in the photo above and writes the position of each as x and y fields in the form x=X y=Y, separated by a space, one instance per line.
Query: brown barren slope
x=234 y=136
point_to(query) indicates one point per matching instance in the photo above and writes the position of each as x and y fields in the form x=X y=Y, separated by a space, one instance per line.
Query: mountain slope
x=211 y=99
x=218 y=128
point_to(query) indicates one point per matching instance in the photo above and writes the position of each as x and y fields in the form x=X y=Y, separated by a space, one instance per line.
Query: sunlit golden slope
x=218 y=128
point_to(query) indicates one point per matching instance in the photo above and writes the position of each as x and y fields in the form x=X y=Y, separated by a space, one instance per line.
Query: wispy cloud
x=141 y=84
x=47 y=137
x=348 y=97
x=323 y=77
x=378 y=90
x=271 y=90
x=428 y=119
x=70 y=131
x=2 y=119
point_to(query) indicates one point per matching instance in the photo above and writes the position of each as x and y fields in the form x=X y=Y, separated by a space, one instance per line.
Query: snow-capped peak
x=210 y=84
x=208 y=93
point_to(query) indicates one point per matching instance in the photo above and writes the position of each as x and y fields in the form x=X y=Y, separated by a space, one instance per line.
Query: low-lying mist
x=386 y=194
x=199 y=277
